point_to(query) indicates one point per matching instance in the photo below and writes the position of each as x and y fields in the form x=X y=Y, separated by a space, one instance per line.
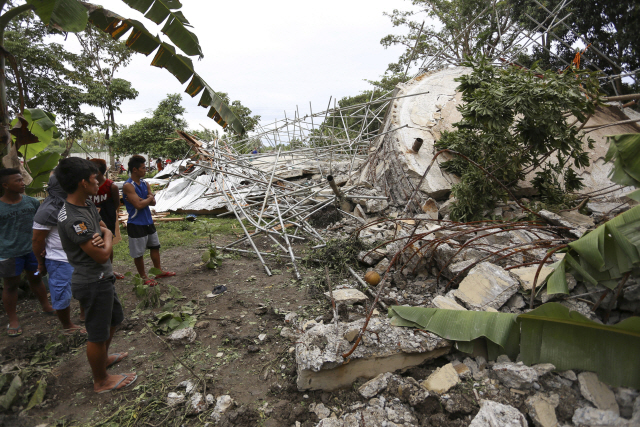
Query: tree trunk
x=4 y=109
x=112 y=161
x=67 y=150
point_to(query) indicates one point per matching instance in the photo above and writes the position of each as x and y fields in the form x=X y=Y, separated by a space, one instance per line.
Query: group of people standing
x=70 y=237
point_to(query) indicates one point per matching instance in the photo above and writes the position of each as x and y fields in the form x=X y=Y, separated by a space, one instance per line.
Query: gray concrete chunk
x=486 y=285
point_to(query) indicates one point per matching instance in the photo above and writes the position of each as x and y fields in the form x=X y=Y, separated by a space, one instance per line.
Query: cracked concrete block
x=496 y=414
x=447 y=303
x=371 y=257
x=592 y=417
x=542 y=410
x=578 y=225
x=486 y=285
x=375 y=386
x=383 y=348
x=347 y=296
x=515 y=375
x=442 y=379
x=597 y=392
x=526 y=275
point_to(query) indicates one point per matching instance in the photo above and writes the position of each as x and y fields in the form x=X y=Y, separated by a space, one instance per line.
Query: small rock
x=592 y=417
x=210 y=399
x=198 y=403
x=320 y=410
x=347 y=296
x=261 y=310
x=359 y=212
x=442 y=379
x=503 y=358
x=253 y=349
x=175 y=399
x=516 y=301
x=542 y=411
x=223 y=403
x=463 y=370
x=203 y=324
x=597 y=392
x=494 y=414
x=262 y=337
x=290 y=318
x=382 y=266
x=570 y=375
x=188 y=385
x=544 y=368
x=526 y=275
x=183 y=336
x=375 y=386
x=372 y=258
x=351 y=334
x=515 y=375
x=625 y=397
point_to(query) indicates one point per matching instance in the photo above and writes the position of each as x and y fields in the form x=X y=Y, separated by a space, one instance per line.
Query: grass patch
x=178 y=233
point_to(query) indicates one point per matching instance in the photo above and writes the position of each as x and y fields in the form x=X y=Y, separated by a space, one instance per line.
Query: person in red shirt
x=107 y=201
x=159 y=164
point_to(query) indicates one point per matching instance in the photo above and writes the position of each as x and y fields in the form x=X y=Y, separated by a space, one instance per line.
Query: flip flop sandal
x=73 y=331
x=119 y=358
x=118 y=276
x=17 y=333
x=165 y=274
x=116 y=387
x=150 y=282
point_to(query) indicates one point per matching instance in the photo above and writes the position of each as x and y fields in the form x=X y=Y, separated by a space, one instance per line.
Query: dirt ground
x=228 y=354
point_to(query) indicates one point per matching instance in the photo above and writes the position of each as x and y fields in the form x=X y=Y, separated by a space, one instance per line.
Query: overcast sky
x=271 y=56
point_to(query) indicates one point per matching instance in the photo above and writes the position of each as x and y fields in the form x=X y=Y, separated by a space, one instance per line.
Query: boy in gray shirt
x=92 y=282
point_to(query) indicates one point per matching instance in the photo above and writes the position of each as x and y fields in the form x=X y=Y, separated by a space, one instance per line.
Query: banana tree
x=75 y=15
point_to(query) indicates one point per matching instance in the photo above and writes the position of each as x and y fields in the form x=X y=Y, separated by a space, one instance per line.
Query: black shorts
x=102 y=308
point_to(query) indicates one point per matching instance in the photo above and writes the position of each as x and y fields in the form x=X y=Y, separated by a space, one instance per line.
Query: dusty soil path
x=228 y=353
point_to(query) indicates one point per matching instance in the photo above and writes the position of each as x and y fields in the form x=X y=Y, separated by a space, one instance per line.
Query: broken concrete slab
x=496 y=414
x=183 y=336
x=442 y=379
x=592 y=417
x=384 y=348
x=447 y=303
x=526 y=275
x=597 y=392
x=576 y=229
x=515 y=375
x=371 y=257
x=375 y=386
x=347 y=296
x=486 y=285
x=542 y=410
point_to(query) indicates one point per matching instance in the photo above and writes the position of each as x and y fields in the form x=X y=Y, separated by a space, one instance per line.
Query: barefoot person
x=16 y=219
x=142 y=233
x=107 y=201
x=92 y=282
x=51 y=256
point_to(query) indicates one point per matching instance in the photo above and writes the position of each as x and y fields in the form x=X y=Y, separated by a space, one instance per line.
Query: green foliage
x=155 y=135
x=149 y=296
x=514 y=121
x=458 y=30
x=549 y=334
x=211 y=258
x=41 y=167
x=169 y=321
x=338 y=254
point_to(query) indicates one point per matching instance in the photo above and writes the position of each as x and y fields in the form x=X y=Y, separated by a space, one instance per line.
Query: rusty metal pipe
x=417 y=144
x=334 y=187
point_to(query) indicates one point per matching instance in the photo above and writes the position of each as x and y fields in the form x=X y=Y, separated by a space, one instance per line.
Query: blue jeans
x=59 y=283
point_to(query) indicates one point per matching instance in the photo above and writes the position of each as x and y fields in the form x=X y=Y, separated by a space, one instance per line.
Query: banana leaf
x=41 y=167
x=602 y=256
x=142 y=41
x=40 y=124
x=549 y=334
x=500 y=329
x=624 y=151
x=553 y=334
x=175 y=26
x=65 y=15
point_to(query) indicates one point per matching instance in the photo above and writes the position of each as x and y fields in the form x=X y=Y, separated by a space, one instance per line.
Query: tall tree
x=155 y=135
x=462 y=28
x=102 y=56
x=73 y=16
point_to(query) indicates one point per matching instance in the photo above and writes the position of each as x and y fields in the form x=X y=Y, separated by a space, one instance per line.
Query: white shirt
x=53 y=245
